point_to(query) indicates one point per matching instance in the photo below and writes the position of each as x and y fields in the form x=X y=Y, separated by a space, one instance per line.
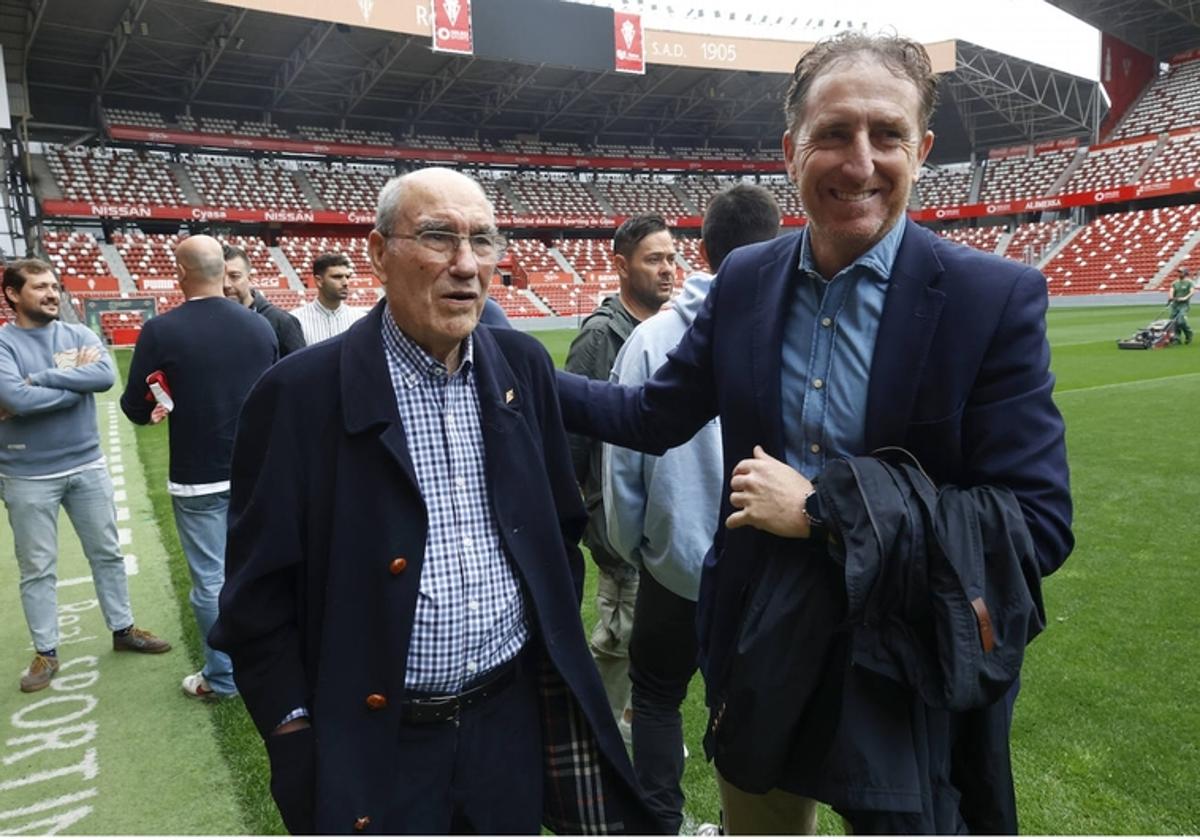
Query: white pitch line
x=1110 y=386
x=122 y=514
x=125 y=536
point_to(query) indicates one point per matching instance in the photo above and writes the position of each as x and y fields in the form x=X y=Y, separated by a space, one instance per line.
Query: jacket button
x=376 y=702
x=361 y=823
x=398 y=565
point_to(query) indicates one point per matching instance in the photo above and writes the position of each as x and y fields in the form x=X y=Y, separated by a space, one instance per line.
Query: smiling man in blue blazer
x=403 y=578
x=863 y=331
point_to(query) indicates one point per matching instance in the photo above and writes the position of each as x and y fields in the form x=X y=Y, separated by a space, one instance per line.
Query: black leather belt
x=446 y=708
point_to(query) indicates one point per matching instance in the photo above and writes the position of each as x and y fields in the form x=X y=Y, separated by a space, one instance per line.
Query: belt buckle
x=435 y=706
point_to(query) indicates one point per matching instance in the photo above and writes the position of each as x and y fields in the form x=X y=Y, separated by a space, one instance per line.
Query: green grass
x=1106 y=734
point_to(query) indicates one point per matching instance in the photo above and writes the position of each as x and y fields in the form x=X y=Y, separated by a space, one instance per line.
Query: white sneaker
x=194 y=685
x=708 y=830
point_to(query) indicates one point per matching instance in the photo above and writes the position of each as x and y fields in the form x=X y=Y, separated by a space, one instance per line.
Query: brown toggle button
x=376 y=702
x=361 y=823
x=398 y=565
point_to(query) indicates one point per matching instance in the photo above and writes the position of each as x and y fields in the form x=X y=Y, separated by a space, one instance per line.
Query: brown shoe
x=138 y=640
x=39 y=674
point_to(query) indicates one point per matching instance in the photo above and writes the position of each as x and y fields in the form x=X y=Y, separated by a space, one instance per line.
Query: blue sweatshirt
x=211 y=351
x=662 y=511
x=41 y=383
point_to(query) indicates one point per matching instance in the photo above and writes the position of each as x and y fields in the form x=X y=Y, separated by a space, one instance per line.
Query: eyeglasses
x=485 y=246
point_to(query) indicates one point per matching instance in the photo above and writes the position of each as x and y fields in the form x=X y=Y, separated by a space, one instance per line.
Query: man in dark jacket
x=402 y=605
x=644 y=256
x=861 y=333
x=238 y=273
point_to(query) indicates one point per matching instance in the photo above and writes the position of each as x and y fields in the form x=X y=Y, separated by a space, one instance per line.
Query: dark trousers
x=482 y=775
x=662 y=660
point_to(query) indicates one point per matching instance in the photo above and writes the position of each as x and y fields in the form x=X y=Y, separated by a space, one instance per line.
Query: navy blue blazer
x=960 y=377
x=326 y=544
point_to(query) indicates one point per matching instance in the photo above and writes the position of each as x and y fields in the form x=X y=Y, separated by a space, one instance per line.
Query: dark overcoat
x=326 y=543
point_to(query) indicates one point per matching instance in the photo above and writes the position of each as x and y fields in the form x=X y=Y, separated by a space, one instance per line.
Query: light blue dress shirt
x=828 y=341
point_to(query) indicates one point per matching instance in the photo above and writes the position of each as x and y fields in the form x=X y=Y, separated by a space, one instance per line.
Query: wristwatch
x=812 y=509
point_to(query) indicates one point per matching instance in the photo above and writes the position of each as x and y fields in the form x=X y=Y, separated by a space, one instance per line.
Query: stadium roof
x=168 y=55
x=1160 y=28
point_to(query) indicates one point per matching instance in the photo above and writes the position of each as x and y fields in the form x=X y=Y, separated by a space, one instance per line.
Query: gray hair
x=392 y=194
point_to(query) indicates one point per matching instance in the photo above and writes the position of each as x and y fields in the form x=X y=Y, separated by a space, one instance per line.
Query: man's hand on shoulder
x=769 y=495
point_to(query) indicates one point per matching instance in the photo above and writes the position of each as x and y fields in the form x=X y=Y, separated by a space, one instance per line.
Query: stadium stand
x=1120 y=252
x=1005 y=179
x=554 y=194
x=532 y=255
x=688 y=247
x=302 y=250
x=641 y=194
x=322 y=134
x=77 y=259
x=944 y=186
x=150 y=258
x=1111 y=166
x=1172 y=101
x=1178 y=158
x=347 y=187
x=1031 y=241
x=243 y=183
x=588 y=256
x=514 y=302
x=981 y=238
x=113 y=176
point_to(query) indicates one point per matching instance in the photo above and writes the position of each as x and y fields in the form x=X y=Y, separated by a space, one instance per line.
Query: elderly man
x=404 y=581
x=50 y=458
x=838 y=351
x=206 y=354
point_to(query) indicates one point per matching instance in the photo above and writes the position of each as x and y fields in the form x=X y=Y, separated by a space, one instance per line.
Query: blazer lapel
x=368 y=395
x=910 y=318
x=770 y=311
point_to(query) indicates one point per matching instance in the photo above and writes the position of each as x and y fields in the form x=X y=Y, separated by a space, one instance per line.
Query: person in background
x=50 y=459
x=661 y=513
x=644 y=256
x=206 y=354
x=1180 y=302
x=238 y=287
x=328 y=314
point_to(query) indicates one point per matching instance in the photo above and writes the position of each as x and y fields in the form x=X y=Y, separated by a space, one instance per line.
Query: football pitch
x=1107 y=728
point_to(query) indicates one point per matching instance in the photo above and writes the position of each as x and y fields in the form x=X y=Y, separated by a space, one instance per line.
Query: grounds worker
x=1180 y=302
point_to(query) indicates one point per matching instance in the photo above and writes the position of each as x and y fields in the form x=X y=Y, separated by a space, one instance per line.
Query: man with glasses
x=402 y=602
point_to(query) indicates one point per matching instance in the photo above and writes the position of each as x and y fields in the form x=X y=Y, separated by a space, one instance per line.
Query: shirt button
x=471 y=666
x=361 y=823
x=818 y=384
x=397 y=565
x=473 y=605
x=460 y=483
x=815 y=448
x=468 y=542
x=826 y=322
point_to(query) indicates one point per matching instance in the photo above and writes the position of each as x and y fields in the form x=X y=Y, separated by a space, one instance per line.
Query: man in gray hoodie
x=662 y=512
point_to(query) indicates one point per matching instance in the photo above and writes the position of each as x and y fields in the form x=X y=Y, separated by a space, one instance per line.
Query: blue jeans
x=201 y=522
x=33 y=513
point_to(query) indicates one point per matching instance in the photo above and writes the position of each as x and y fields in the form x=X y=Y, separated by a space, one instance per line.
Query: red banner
x=263 y=144
x=1184 y=57
x=1125 y=72
x=1008 y=152
x=630 y=47
x=452 y=26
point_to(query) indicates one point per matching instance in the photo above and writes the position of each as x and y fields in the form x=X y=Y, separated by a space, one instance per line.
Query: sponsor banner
x=1129 y=192
x=548 y=277
x=264 y=282
x=222 y=141
x=604 y=278
x=630 y=47
x=158 y=284
x=452 y=26
x=1055 y=145
x=1146 y=139
x=1008 y=152
x=73 y=283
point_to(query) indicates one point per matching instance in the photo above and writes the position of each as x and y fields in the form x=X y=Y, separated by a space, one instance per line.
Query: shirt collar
x=878 y=260
x=414 y=362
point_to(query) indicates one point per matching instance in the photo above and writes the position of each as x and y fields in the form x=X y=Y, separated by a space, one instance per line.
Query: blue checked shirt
x=470 y=614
